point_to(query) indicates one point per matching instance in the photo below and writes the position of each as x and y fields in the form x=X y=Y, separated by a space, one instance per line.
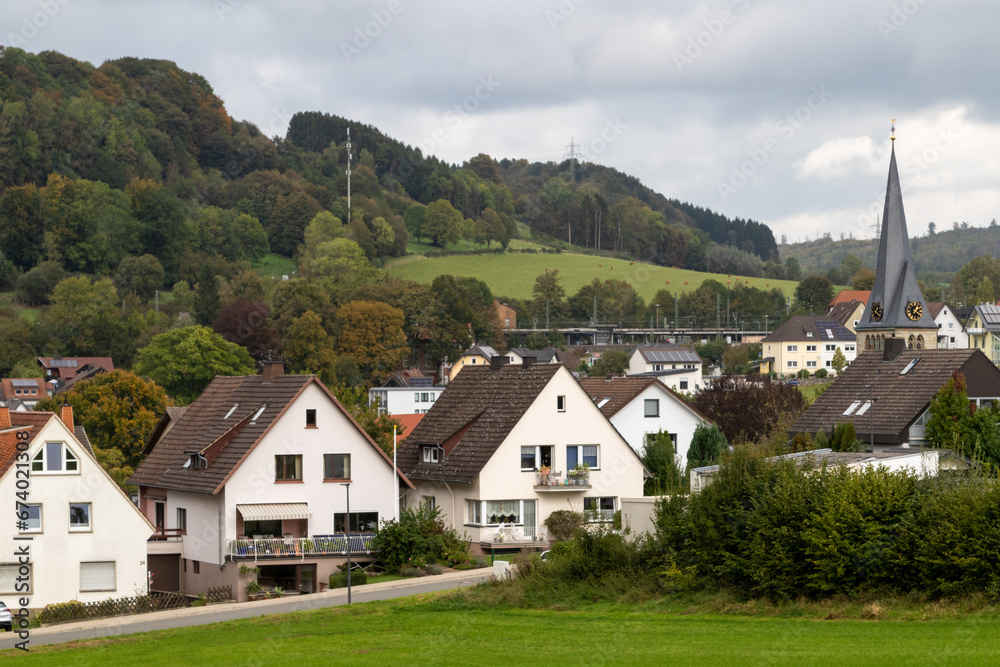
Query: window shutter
x=8 y=580
x=97 y=576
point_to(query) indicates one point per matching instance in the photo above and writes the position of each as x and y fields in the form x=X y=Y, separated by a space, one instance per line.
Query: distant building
x=477 y=355
x=506 y=315
x=679 y=368
x=67 y=371
x=806 y=342
x=951 y=333
x=23 y=393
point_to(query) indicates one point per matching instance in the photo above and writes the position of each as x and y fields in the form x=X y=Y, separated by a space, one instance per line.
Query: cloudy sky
x=776 y=111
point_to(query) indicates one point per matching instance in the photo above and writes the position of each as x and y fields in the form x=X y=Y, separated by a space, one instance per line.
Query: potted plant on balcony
x=544 y=476
x=582 y=473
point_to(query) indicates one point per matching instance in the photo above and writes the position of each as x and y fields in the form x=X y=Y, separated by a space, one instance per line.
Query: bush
x=564 y=524
x=803 y=374
x=419 y=535
x=434 y=568
x=339 y=579
x=412 y=572
x=822 y=373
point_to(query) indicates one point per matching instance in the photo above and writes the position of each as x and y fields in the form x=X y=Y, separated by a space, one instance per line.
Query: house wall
x=372 y=487
x=118 y=530
x=951 y=330
x=468 y=360
x=801 y=355
x=404 y=400
x=633 y=424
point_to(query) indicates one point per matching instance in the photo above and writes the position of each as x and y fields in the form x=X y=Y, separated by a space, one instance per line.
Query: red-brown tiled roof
x=850 y=295
x=30 y=422
x=65 y=368
x=472 y=417
x=408 y=422
x=9 y=391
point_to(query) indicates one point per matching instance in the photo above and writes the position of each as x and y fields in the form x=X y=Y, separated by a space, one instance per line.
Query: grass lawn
x=812 y=391
x=7 y=301
x=514 y=275
x=276 y=266
x=433 y=630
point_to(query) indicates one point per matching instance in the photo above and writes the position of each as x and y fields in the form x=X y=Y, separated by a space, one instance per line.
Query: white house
x=257 y=470
x=87 y=541
x=642 y=406
x=504 y=447
x=404 y=400
x=679 y=368
x=951 y=331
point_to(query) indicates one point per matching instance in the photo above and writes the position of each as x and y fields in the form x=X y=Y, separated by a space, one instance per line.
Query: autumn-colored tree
x=749 y=411
x=372 y=333
x=183 y=361
x=247 y=323
x=117 y=409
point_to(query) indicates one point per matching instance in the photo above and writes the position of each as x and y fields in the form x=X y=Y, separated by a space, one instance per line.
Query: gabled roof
x=844 y=312
x=613 y=394
x=68 y=367
x=408 y=422
x=15 y=388
x=989 y=315
x=409 y=377
x=899 y=398
x=471 y=418
x=541 y=356
x=810 y=328
x=481 y=350
x=223 y=434
x=935 y=308
x=846 y=295
x=663 y=354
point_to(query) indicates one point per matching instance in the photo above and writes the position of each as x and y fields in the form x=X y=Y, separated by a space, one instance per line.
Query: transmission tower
x=348 y=175
x=572 y=155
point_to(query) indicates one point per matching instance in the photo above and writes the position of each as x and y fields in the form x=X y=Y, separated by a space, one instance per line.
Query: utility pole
x=572 y=155
x=348 y=175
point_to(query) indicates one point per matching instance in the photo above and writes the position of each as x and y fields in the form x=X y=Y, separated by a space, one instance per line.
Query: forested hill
x=138 y=156
x=937 y=256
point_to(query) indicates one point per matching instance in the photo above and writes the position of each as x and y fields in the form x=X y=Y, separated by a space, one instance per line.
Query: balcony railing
x=167 y=534
x=553 y=480
x=300 y=547
x=975 y=331
x=600 y=516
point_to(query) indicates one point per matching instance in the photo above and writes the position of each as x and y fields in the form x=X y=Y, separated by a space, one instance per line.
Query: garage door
x=97 y=576
x=166 y=572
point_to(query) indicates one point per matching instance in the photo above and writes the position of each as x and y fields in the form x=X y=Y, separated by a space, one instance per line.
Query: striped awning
x=274 y=511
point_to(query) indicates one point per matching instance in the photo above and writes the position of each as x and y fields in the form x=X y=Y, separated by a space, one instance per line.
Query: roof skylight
x=850 y=410
x=909 y=366
x=863 y=409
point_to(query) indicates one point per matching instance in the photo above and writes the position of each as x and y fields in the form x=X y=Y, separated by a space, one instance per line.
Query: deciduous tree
x=372 y=333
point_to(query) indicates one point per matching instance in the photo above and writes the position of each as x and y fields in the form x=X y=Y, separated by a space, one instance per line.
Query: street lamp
x=657 y=314
x=347 y=532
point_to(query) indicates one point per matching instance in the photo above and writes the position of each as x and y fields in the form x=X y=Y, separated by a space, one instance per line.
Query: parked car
x=6 y=618
x=793 y=382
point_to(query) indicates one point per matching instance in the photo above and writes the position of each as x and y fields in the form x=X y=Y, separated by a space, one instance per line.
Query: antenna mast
x=348 y=175
x=572 y=155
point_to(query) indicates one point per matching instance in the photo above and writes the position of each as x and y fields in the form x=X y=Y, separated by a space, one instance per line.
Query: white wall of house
x=790 y=357
x=372 y=487
x=618 y=474
x=202 y=539
x=951 y=333
x=687 y=382
x=117 y=533
x=674 y=417
x=404 y=400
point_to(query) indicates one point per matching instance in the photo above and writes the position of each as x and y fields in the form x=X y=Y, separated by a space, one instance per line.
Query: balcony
x=599 y=516
x=976 y=331
x=576 y=480
x=300 y=547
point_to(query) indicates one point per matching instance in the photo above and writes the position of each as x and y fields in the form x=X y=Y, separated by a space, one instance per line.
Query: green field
x=272 y=265
x=513 y=275
x=437 y=631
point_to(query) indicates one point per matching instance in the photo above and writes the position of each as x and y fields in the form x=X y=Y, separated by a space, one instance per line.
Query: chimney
x=271 y=370
x=893 y=348
x=66 y=414
x=5 y=418
x=497 y=362
x=529 y=362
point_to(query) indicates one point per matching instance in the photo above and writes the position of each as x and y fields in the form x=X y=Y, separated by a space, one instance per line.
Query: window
x=560 y=404
x=361 y=522
x=310 y=418
x=475 y=511
x=79 y=517
x=99 y=576
x=793 y=348
x=336 y=466
x=793 y=364
x=431 y=454
x=810 y=348
x=416 y=397
x=506 y=321
x=599 y=509
x=657 y=367
x=430 y=501
x=581 y=455
x=829 y=364
x=53 y=458
x=810 y=364
x=268 y=528
x=831 y=348
x=196 y=566
x=652 y=407
x=534 y=457
x=503 y=511
x=849 y=348
x=288 y=468
x=684 y=384
x=231 y=411
x=951 y=325
x=34 y=520
x=809 y=334
x=433 y=396
x=11 y=578
x=182 y=519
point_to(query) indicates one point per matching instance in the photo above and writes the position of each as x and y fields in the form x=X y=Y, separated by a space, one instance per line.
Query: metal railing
x=600 y=516
x=300 y=547
x=573 y=478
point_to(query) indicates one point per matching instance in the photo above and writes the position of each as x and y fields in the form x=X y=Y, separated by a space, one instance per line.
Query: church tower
x=896 y=307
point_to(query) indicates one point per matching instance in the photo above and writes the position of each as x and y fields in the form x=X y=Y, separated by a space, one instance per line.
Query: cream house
x=507 y=445
x=806 y=342
x=477 y=355
x=86 y=539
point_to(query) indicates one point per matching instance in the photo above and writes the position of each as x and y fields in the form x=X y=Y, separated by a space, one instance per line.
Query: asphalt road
x=126 y=625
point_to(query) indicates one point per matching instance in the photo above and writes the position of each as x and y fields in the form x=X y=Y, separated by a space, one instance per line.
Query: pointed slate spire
x=896 y=301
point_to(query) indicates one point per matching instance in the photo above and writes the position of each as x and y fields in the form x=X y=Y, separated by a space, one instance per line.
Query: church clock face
x=876 y=312
x=914 y=310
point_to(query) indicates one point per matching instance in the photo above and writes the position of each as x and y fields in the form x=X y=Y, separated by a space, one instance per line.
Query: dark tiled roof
x=799 y=327
x=989 y=315
x=842 y=312
x=471 y=418
x=203 y=427
x=67 y=367
x=541 y=356
x=81 y=435
x=935 y=308
x=622 y=390
x=899 y=399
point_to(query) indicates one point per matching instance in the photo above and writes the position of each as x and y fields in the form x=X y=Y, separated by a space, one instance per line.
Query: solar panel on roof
x=421 y=382
x=24 y=383
x=837 y=330
x=670 y=355
x=64 y=363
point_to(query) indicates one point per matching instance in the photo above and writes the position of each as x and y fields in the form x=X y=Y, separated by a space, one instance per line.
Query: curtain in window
x=503 y=511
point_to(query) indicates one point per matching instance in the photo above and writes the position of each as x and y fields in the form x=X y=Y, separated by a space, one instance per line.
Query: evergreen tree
x=207 y=303
x=707 y=446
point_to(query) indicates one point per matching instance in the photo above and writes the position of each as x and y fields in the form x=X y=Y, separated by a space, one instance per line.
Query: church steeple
x=896 y=307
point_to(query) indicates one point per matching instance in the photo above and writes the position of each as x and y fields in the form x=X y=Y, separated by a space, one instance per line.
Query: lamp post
x=657 y=314
x=347 y=532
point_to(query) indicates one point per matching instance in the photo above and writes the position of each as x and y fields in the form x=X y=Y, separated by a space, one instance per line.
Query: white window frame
x=431 y=454
x=599 y=514
x=561 y=403
x=89 y=527
x=810 y=348
x=95 y=588
x=792 y=348
x=537 y=456
x=474 y=511
x=793 y=364
x=68 y=457
x=580 y=455
x=9 y=575
x=41 y=520
x=182 y=519
x=810 y=364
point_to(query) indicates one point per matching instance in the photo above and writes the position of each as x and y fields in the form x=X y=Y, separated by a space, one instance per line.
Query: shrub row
x=773 y=530
x=492 y=251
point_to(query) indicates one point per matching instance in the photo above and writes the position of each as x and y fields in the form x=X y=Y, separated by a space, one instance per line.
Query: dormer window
x=231 y=411
x=196 y=461
x=432 y=454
